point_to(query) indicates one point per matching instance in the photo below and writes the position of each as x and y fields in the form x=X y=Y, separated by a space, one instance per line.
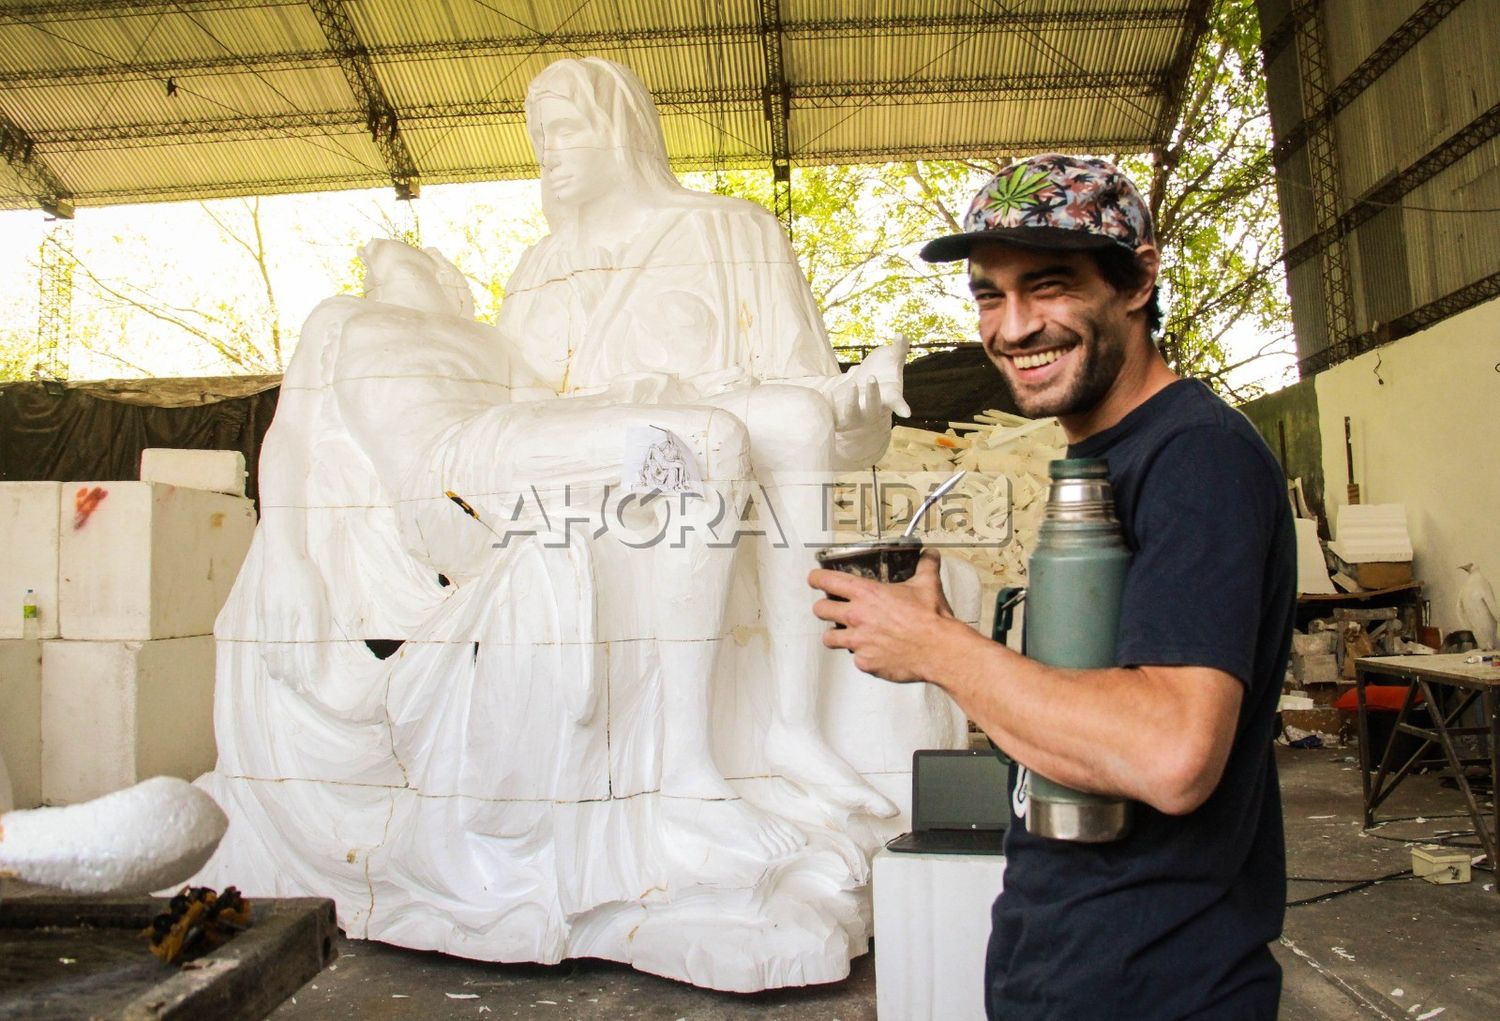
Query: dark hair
x=1122 y=270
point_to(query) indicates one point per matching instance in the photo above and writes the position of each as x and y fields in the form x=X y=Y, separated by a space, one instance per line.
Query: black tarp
x=58 y=433
x=951 y=386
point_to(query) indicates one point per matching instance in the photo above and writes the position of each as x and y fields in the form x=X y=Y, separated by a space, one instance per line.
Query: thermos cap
x=1080 y=491
x=1079 y=468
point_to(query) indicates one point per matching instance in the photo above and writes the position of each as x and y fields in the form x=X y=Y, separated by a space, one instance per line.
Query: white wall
x=1429 y=437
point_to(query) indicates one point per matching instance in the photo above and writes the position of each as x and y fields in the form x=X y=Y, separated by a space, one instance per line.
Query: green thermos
x=1076 y=577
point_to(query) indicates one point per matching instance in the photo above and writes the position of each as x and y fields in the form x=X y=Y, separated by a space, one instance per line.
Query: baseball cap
x=1052 y=201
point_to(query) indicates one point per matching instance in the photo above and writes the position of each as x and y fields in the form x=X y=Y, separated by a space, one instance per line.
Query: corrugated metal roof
x=106 y=101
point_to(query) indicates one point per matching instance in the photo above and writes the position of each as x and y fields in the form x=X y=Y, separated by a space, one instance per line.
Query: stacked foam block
x=115 y=684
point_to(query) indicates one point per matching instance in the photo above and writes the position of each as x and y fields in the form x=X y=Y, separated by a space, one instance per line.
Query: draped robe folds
x=490 y=788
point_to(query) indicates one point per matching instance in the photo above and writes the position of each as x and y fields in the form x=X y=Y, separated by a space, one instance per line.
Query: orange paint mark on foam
x=84 y=503
x=216 y=519
x=944 y=441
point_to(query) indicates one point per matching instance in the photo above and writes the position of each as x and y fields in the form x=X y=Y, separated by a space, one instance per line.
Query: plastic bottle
x=31 y=621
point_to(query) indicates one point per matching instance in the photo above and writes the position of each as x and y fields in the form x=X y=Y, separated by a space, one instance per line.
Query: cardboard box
x=116 y=713
x=141 y=560
x=1376 y=574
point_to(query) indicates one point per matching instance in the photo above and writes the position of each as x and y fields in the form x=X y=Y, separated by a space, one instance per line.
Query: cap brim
x=958 y=246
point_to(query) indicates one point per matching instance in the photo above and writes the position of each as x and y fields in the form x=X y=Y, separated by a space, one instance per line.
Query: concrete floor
x=1404 y=949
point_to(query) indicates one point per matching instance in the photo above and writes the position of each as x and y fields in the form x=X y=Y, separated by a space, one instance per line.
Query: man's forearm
x=1158 y=735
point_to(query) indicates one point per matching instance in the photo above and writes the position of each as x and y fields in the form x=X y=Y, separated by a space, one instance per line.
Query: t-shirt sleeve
x=1203 y=526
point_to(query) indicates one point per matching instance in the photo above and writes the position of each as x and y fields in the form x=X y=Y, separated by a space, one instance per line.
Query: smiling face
x=578 y=162
x=1059 y=333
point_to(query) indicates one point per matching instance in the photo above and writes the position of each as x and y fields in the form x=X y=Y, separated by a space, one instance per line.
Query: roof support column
x=380 y=115
x=778 y=109
x=20 y=152
x=1323 y=171
x=54 y=318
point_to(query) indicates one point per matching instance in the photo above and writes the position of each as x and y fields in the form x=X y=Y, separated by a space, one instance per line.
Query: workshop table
x=1468 y=683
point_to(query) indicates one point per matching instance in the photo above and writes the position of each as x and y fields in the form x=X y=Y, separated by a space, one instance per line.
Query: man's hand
x=890 y=628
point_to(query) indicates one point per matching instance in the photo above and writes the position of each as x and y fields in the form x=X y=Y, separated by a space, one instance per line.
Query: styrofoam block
x=115 y=713
x=1372 y=533
x=28 y=555
x=219 y=471
x=141 y=560
x=21 y=719
x=1312 y=569
x=932 y=925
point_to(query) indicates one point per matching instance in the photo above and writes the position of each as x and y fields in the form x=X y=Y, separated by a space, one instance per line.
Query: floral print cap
x=1052 y=201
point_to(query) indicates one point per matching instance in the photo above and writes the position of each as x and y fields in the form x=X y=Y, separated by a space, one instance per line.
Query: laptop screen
x=959 y=790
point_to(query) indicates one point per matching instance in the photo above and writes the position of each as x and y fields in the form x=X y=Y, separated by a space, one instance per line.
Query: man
x=1172 y=921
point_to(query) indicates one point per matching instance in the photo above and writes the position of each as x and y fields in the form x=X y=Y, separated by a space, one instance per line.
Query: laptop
x=960 y=803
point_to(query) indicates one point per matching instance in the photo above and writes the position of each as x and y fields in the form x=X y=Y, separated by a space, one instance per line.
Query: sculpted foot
x=725 y=842
x=803 y=757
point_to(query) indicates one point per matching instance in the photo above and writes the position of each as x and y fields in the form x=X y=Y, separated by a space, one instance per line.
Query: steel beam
x=1323 y=171
x=1275 y=41
x=1395 y=46
x=1058 y=84
x=1181 y=69
x=380 y=115
x=54 y=320
x=980 y=149
x=1466 y=297
x=1437 y=159
x=812 y=95
x=85 y=10
x=19 y=150
x=777 y=104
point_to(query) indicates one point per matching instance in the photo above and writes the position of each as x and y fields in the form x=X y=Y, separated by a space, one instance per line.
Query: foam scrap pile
x=991 y=518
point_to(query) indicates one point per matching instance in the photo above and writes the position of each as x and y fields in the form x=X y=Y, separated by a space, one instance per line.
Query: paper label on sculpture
x=658 y=461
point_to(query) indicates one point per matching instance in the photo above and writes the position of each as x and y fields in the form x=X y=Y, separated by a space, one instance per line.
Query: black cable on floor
x=1361 y=885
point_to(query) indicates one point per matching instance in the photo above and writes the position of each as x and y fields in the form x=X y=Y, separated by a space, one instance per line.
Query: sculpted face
x=402 y=275
x=578 y=162
x=1055 y=328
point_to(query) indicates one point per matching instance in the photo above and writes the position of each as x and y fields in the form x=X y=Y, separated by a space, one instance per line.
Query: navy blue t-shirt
x=1172 y=921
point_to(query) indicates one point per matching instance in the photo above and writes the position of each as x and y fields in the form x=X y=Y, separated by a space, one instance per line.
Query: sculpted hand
x=887 y=365
x=890 y=628
x=863 y=401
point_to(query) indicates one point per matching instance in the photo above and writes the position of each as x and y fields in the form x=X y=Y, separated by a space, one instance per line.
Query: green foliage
x=1212 y=192
x=856 y=231
x=16 y=354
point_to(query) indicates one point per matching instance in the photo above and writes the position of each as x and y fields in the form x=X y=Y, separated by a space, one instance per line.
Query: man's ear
x=1149 y=260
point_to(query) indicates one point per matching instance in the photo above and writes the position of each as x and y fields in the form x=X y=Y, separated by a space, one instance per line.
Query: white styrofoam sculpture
x=143 y=838
x=579 y=741
x=1477 y=608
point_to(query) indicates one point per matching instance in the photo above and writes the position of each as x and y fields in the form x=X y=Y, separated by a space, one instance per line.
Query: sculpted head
x=398 y=274
x=595 y=131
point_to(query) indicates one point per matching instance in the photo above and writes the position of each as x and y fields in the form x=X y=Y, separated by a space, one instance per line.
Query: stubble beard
x=1099 y=364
